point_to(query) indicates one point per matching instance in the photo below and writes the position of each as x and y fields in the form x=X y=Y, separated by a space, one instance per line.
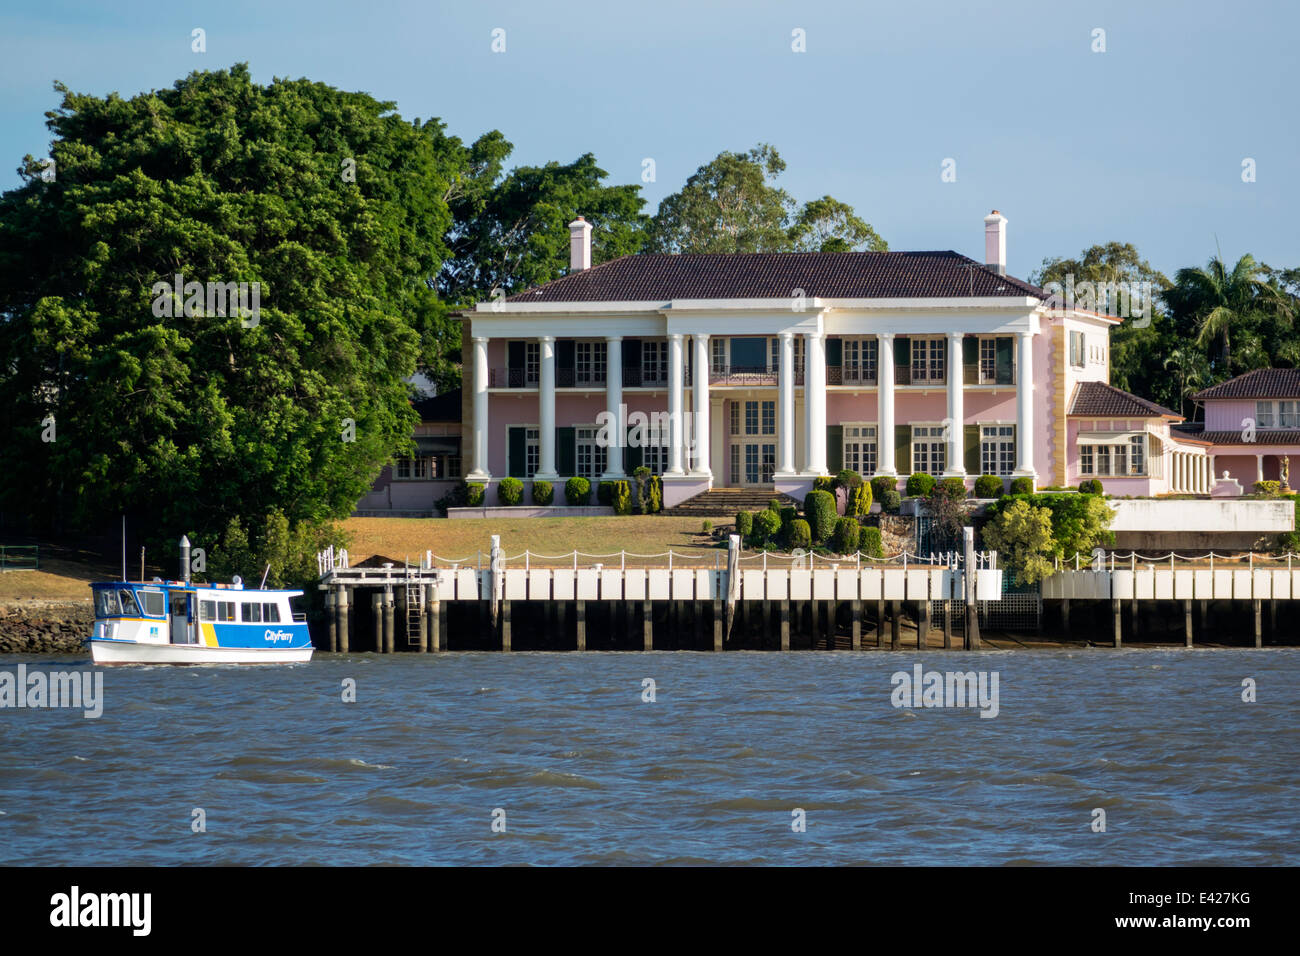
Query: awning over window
x=1107 y=438
x=429 y=445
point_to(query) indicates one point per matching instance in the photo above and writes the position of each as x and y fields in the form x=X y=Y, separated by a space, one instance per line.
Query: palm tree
x=1220 y=298
x=1190 y=373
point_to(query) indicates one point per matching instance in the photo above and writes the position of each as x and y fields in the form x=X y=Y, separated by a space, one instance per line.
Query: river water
x=564 y=753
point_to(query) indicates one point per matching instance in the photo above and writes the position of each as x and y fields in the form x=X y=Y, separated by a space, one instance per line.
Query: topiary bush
x=474 y=494
x=767 y=525
x=510 y=491
x=605 y=493
x=1091 y=486
x=823 y=483
x=656 y=497
x=954 y=488
x=543 y=493
x=774 y=505
x=859 y=499
x=988 y=486
x=577 y=491
x=1022 y=486
x=706 y=527
x=1270 y=488
x=882 y=484
x=745 y=525
x=844 y=539
x=919 y=485
x=788 y=514
x=622 y=498
x=800 y=534
x=819 y=509
x=847 y=478
x=642 y=477
x=891 y=501
x=869 y=542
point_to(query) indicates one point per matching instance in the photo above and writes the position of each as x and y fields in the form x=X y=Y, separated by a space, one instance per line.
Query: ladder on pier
x=413 y=605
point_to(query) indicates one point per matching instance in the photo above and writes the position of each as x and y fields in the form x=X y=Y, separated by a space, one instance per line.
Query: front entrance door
x=182 y=628
x=753 y=462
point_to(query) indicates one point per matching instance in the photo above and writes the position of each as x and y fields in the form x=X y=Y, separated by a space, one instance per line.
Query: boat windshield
x=129 y=606
x=106 y=603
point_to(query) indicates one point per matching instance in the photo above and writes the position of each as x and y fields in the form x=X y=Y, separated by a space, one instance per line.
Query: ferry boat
x=180 y=622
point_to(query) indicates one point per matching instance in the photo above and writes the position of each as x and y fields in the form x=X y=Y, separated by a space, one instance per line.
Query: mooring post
x=895 y=613
x=785 y=625
x=331 y=616
x=342 y=607
x=433 y=611
x=421 y=610
x=377 y=608
x=972 y=608
x=648 y=626
x=716 y=616
x=580 y=611
x=855 y=609
x=1259 y=628
x=389 y=635
x=1187 y=622
x=1118 y=622
x=505 y=626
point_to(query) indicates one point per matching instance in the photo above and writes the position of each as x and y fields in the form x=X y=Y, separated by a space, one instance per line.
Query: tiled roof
x=1095 y=399
x=762 y=275
x=1263 y=436
x=1261 y=383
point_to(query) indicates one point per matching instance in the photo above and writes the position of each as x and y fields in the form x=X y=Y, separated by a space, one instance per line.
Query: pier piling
x=580 y=615
x=895 y=612
x=389 y=623
x=947 y=625
x=647 y=626
x=1118 y=622
x=505 y=625
x=1259 y=623
x=331 y=617
x=377 y=612
x=785 y=625
x=1187 y=622
x=343 y=623
x=855 y=628
x=922 y=625
x=717 y=624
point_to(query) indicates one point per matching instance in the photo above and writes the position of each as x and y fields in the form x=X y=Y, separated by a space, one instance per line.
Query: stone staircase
x=726 y=502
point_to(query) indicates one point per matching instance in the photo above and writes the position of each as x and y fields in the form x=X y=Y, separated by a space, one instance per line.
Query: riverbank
x=45 y=627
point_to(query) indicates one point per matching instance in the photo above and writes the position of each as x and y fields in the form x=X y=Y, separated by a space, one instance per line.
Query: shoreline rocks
x=45 y=627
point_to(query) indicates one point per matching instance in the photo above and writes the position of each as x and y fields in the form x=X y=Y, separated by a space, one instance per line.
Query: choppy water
x=587 y=772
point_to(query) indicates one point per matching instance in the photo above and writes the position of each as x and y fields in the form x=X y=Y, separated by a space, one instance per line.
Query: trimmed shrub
x=788 y=514
x=844 y=539
x=891 y=501
x=642 y=478
x=767 y=525
x=882 y=484
x=869 y=542
x=656 y=498
x=510 y=492
x=847 y=478
x=622 y=498
x=1022 y=486
x=919 y=485
x=824 y=483
x=954 y=488
x=800 y=534
x=706 y=527
x=859 y=499
x=543 y=493
x=1270 y=488
x=989 y=486
x=577 y=491
x=819 y=509
x=605 y=493
x=745 y=525
x=474 y=494
x=774 y=505
x=1090 y=486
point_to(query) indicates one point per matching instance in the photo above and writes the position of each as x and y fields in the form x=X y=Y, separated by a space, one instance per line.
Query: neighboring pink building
x=767 y=370
x=1252 y=425
x=414 y=485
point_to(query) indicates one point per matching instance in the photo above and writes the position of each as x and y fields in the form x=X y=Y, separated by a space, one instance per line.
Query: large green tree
x=183 y=418
x=732 y=204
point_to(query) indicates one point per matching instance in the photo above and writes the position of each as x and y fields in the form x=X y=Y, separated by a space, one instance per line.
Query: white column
x=1259 y=467
x=885 y=463
x=676 y=398
x=1025 y=404
x=956 y=409
x=785 y=407
x=613 y=401
x=702 y=409
x=546 y=409
x=480 y=469
x=1210 y=462
x=814 y=396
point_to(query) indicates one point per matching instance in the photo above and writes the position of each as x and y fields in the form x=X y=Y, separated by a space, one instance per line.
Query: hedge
x=510 y=492
x=1091 y=486
x=844 y=539
x=474 y=494
x=919 y=485
x=577 y=491
x=1022 y=486
x=882 y=484
x=543 y=493
x=988 y=486
x=745 y=525
x=890 y=502
x=800 y=534
x=869 y=542
x=824 y=483
x=819 y=509
x=605 y=493
x=1270 y=488
x=954 y=488
x=767 y=525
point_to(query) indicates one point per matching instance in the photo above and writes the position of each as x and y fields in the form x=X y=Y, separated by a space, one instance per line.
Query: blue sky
x=1142 y=143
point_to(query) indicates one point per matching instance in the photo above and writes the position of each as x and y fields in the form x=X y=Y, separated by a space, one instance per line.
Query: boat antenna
x=264 y=574
x=142 y=562
x=123 y=547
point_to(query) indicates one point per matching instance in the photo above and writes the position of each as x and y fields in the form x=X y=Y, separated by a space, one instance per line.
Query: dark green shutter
x=903 y=449
x=972 y=449
x=632 y=356
x=632 y=456
x=566 y=451
x=834 y=448
x=517 y=450
x=1005 y=360
x=902 y=350
x=565 y=360
x=834 y=351
x=970 y=359
x=515 y=356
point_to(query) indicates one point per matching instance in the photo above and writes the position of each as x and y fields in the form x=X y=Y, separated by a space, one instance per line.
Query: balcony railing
x=638 y=377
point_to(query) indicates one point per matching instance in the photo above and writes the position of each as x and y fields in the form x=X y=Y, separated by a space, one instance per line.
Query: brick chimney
x=995 y=241
x=579 y=245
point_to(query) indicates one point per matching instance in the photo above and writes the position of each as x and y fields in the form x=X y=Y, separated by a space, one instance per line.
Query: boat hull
x=131 y=652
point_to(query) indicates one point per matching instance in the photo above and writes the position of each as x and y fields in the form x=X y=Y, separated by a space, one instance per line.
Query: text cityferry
x=180 y=622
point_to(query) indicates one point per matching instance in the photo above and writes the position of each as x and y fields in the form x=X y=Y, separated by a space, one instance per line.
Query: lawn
x=401 y=538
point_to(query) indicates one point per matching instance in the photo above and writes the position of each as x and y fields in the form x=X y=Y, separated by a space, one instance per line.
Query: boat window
x=207 y=610
x=106 y=603
x=155 y=604
x=129 y=607
x=225 y=610
x=271 y=613
x=251 y=613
